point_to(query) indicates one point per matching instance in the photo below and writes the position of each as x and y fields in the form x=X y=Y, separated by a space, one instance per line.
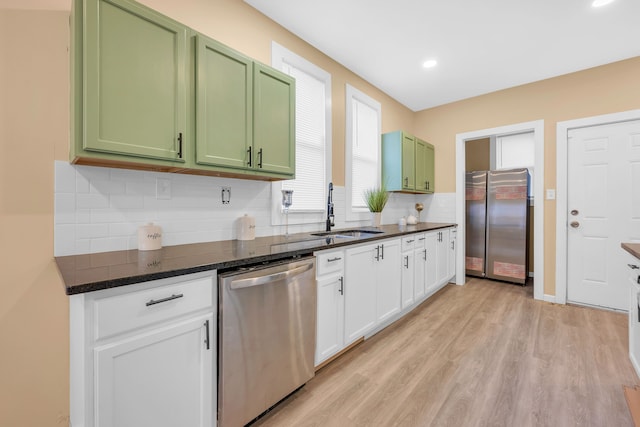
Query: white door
x=603 y=201
x=161 y=378
x=408 y=278
x=359 y=292
x=330 y=321
x=388 y=280
x=431 y=277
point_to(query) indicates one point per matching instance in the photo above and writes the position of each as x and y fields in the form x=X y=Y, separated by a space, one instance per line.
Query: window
x=516 y=151
x=313 y=140
x=362 y=151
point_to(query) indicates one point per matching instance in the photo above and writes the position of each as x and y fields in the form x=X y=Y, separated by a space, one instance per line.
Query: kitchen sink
x=349 y=234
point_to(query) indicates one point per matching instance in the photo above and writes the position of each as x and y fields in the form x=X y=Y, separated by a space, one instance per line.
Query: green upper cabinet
x=274 y=121
x=224 y=100
x=150 y=93
x=421 y=170
x=407 y=163
x=430 y=162
x=134 y=71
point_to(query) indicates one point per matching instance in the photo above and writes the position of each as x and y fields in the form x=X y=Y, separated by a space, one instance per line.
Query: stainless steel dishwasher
x=267 y=335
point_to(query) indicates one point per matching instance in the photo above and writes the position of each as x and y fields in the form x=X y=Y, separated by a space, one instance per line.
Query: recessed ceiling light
x=600 y=3
x=430 y=63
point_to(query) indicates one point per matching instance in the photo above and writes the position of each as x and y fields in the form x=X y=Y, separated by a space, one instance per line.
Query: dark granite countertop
x=93 y=272
x=632 y=248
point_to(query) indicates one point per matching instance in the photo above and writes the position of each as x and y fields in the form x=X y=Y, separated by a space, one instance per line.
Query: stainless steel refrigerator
x=496 y=224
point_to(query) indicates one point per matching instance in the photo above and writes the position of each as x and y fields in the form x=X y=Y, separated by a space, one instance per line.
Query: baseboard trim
x=549 y=298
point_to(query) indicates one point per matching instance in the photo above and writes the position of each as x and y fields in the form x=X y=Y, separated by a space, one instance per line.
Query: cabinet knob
x=574 y=224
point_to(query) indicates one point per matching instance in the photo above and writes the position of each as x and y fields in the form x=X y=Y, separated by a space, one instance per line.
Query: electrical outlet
x=551 y=194
x=163 y=189
x=226 y=195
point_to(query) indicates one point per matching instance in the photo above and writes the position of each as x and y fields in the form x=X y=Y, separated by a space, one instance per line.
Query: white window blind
x=310 y=182
x=364 y=151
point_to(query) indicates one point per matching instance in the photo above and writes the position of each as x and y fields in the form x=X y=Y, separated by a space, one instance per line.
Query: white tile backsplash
x=100 y=209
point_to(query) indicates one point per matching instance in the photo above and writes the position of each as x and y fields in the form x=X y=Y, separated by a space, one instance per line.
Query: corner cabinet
x=407 y=163
x=145 y=354
x=150 y=93
x=245 y=114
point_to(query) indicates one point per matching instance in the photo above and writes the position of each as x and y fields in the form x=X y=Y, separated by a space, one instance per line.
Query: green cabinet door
x=430 y=174
x=421 y=171
x=273 y=121
x=224 y=99
x=134 y=71
x=408 y=162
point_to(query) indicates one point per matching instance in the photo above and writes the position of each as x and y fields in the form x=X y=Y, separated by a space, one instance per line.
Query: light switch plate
x=551 y=194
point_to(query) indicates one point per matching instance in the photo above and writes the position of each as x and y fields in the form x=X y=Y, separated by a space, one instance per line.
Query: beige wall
x=601 y=90
x=477 y=155
x=34 y=121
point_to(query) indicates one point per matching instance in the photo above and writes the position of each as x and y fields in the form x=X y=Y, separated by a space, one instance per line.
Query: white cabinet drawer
x=132 y=310
x=408 y=242
x=420 y=241
x=329 y=262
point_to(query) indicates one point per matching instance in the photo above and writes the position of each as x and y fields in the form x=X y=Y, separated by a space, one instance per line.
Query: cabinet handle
x=406 y=261
x=410 y=241
x=334 y=259
x=341 y=290
x=426 y=185
x=378 y=253
x=250 y=157
x=382 y=251
x=425 y=254
x=158 y=301
x=206 y=331
x=406 y=181
x=633 y=266
x=453 y=244
x=180 y=145
x=421 y=239
x=260 y=157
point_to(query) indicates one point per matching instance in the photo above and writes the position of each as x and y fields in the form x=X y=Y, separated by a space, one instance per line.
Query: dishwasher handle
x=264 y=280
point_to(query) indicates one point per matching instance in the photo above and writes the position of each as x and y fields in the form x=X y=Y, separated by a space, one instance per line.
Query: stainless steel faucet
x=330 y=216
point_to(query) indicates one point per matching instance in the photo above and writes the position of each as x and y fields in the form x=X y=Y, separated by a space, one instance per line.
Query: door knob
x=574 y=212
x=574 y=224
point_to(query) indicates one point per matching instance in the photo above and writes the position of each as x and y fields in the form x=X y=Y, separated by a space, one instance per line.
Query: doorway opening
x=537 y=127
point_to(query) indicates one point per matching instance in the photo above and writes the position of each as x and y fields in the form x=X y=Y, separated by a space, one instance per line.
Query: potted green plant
x=376 y=198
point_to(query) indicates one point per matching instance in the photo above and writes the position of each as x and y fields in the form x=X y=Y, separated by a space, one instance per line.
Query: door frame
x=537 y=127
x=562 y=165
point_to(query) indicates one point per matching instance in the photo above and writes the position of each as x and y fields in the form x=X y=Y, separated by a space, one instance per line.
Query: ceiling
x=480 y=47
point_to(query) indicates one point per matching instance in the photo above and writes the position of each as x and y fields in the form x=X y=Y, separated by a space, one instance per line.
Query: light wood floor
x=485 y=354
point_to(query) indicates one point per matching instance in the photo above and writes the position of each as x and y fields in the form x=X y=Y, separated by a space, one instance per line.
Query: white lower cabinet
x=420 y=262
x=330 y=305
x=408 y=276
x=146 y=354
x=360 y=291
x=442 y=256
x=453 y=234
x=431 y=277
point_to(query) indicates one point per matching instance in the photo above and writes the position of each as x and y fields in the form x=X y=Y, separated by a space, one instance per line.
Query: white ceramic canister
x=246 y=227
x=149 y=237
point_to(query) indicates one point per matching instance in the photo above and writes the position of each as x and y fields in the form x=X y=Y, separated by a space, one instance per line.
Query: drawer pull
x=633 y=266
x=158 y=301
x=410 y=241
x=334 y=259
